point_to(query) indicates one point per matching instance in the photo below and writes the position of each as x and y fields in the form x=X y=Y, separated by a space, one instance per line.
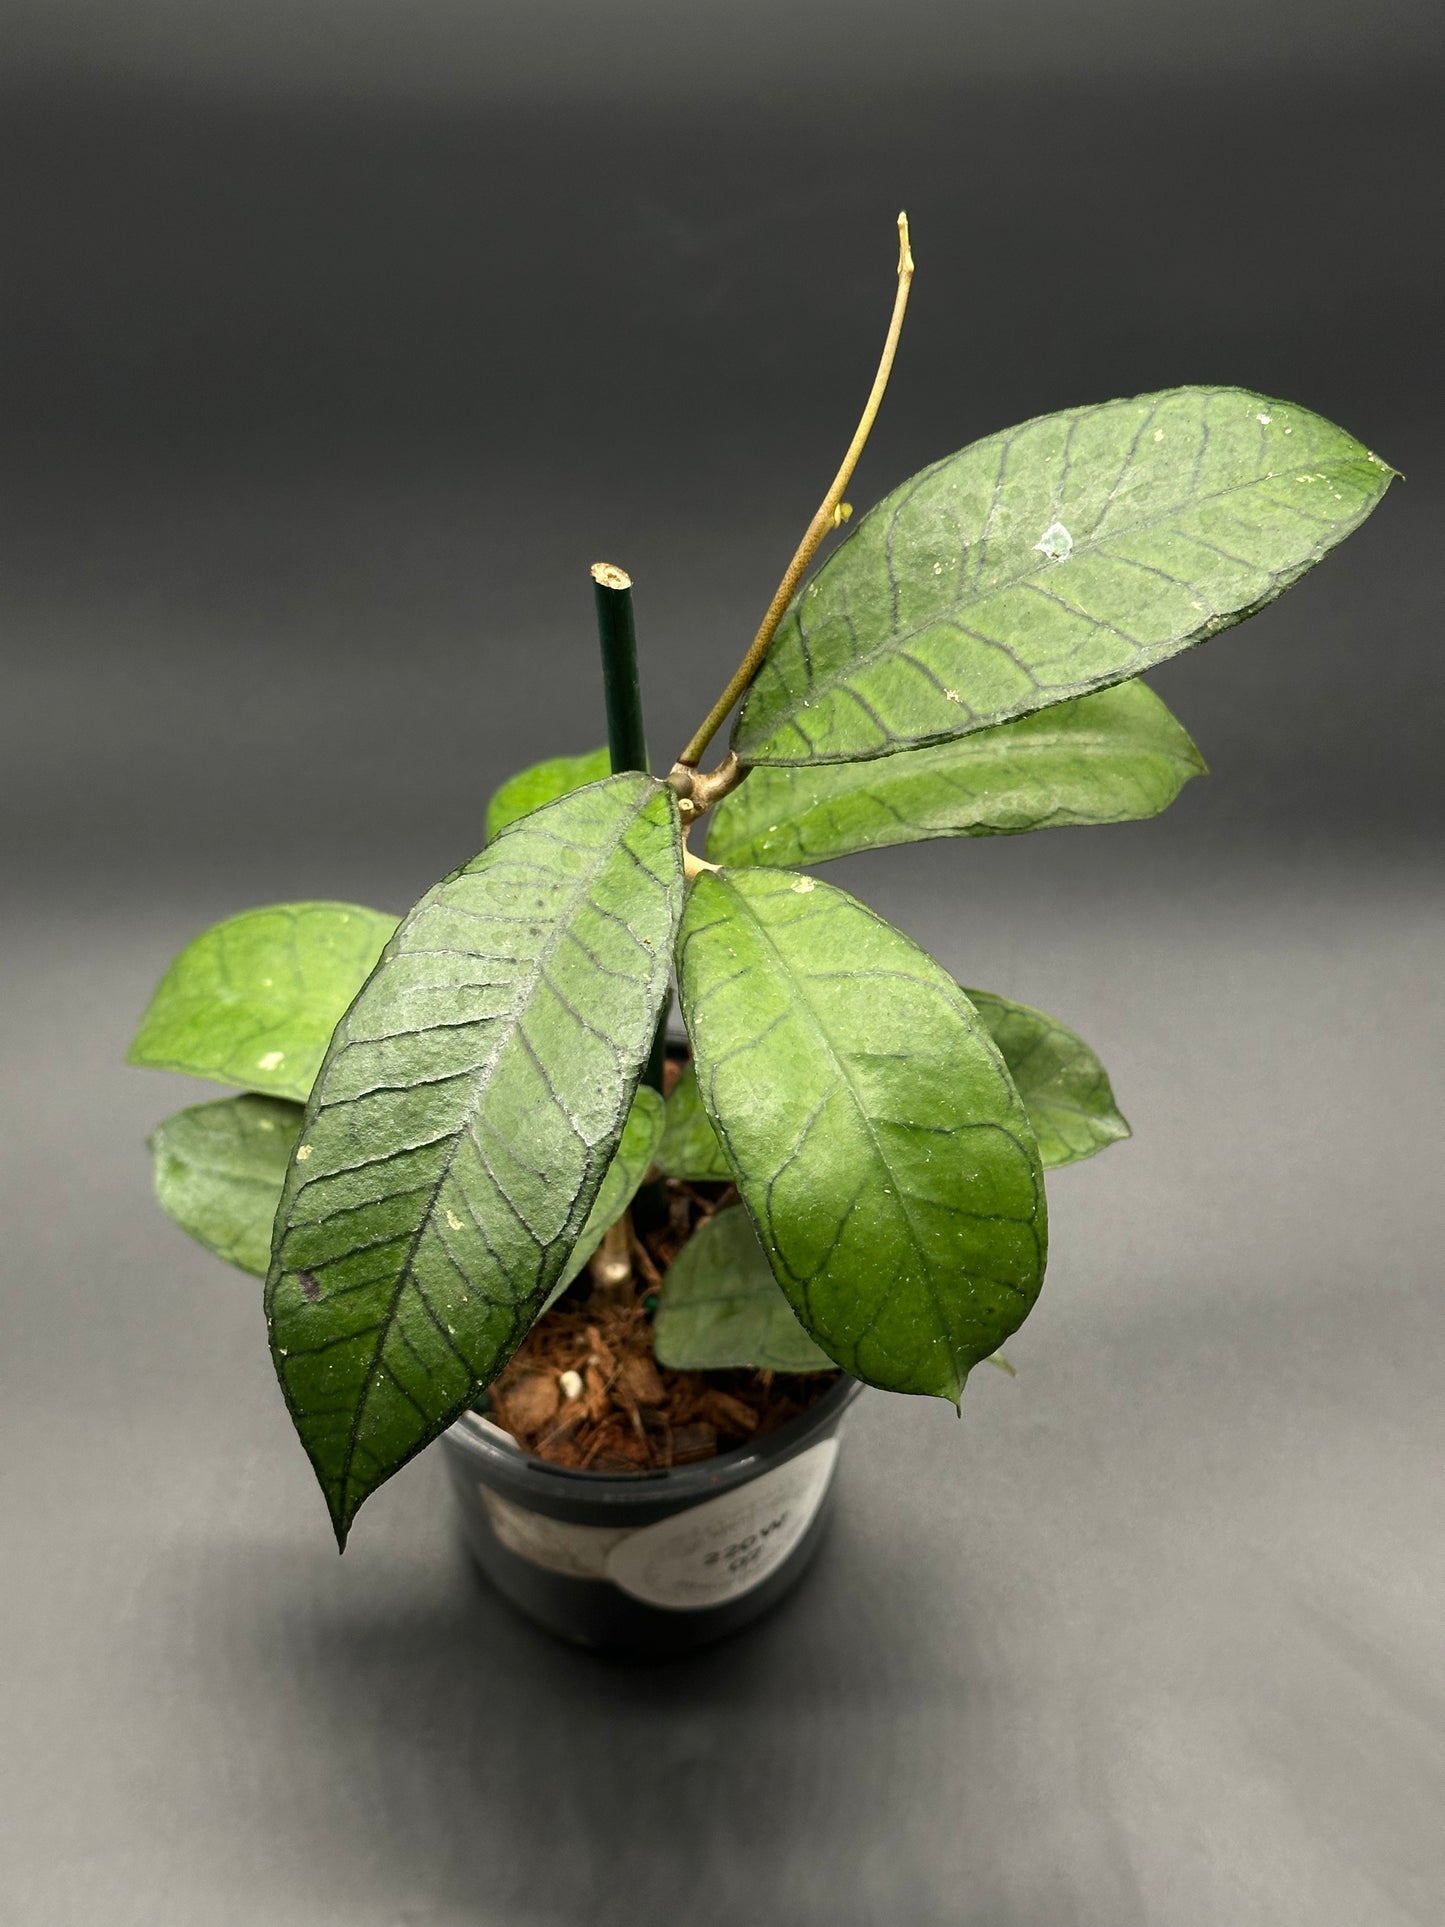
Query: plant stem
x=610 y=1265
x=830 y=513
x=626 y=743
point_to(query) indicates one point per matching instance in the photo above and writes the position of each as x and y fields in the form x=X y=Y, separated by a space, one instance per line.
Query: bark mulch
x=585 y=1391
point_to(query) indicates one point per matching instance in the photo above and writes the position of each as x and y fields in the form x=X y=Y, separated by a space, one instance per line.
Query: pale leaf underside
x=1064 y=555
x=461 y=1126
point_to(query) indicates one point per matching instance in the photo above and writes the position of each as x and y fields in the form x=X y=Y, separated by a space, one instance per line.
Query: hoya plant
x=443 y=1118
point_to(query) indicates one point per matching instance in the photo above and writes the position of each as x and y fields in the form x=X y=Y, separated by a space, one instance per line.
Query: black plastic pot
x=655 y=1561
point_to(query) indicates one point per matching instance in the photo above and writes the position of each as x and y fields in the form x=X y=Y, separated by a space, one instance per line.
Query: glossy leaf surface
x=1064 y=1087
x=1067 y=554
x=721 y=1306
x=630 y=1165
x=219 y=1169
x=459 y=1131
x=253 y=1001
x=543 y=783
x=1105 y=758
x=875 y=1135
x=689 y=1147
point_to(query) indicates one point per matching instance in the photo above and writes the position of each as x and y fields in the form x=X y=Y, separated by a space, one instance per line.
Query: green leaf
x=875 y=1135
x=219 y=1169
x=633 y=1159
x=459 y=1131
x=543 y=783
x=252 y=1001
x=1064 y=1087
x=689 y=1147
x=1073 y=552
x=721 y=1306
x=1105 y=758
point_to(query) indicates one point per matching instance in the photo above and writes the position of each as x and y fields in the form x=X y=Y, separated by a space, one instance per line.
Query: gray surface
x=571 y=50
x=1150 y=1635
x=317 y=414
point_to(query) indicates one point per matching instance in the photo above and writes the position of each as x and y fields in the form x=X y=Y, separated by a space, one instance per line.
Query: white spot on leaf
x=1264 y=420
x=303 y=1151
x=802 y=885
x=454 y=1221
x=1158 y=434
x=1056 y=543
x=272 y=1061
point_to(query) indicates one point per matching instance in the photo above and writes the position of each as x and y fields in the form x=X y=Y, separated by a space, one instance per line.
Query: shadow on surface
x=472 y=1768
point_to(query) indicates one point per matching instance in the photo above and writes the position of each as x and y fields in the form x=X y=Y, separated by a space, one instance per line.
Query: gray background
x=339 y=340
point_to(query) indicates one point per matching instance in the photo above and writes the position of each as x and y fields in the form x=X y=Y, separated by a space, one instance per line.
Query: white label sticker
x=711 y=1552
x=578 y=1551
x=724 y=1547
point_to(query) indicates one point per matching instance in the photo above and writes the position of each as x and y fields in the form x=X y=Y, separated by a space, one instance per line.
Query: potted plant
x=635 y=1293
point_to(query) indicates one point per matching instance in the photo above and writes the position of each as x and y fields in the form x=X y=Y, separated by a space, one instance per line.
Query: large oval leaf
x=874 y=1133
x=253 y=1001
x=1107 y=758
x=721 y=1306
x=1065 y=1088
x=1042 y=563
x=469 y=1105
x=543 y=783
x=219 y=1169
